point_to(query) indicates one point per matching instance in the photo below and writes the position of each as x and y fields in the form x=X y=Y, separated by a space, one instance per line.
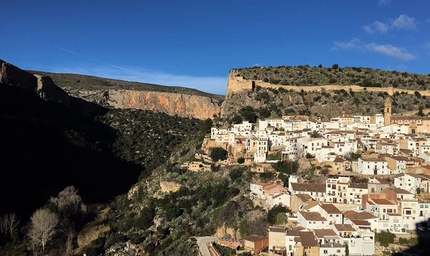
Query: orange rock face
x=183 y=105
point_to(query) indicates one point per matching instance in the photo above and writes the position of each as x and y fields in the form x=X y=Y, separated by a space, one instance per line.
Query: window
x=325 y=251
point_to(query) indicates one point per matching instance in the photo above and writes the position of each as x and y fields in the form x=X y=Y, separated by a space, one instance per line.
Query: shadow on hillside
x=423 y=246
x=47 y=146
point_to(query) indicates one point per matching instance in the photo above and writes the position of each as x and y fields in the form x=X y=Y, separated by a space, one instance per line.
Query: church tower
x=387 y=111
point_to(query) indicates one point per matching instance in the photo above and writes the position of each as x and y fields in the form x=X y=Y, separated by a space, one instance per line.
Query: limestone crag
x=11 y=75
x=173 y=103
x=183 y=105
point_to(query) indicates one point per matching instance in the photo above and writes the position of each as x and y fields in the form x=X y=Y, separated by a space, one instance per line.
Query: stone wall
x=237 y=83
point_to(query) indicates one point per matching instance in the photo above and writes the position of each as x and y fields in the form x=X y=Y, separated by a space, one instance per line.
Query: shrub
x=218 y=153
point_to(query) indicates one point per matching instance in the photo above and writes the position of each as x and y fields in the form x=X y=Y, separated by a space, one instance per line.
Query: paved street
x=202 y=243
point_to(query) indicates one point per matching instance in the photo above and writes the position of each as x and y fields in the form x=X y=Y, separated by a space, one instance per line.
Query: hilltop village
x=376 y=170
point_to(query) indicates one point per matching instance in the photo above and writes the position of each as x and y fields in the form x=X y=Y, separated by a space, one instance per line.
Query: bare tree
x=42 y=227
x=68 y=200
x=8 y=224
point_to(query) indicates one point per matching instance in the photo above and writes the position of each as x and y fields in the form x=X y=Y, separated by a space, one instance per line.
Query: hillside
x=119 y=94
x=320 y=92
x=62 y=130
x=305 y=75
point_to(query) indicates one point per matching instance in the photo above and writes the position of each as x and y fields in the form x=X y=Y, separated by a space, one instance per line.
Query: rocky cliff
x=110 y=93
x=323 y=101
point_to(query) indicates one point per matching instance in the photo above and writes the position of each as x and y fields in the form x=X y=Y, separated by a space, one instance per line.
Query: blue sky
x=195 y=43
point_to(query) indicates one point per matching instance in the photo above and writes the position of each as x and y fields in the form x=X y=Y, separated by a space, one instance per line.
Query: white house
x=283 y=199
x=311 y=220
x=373 y=166
x=408 y=182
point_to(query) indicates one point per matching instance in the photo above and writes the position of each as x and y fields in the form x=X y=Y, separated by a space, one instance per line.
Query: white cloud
x=376 y=26
x=351 y=44
x=391 y=51
x=403 y=22
x=388 y=50
x=384 y=2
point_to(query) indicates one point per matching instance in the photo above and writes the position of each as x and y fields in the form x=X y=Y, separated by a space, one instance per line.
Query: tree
x=287 y=167
x=42 y=227
x=316 y=134
x=263 y=113
x=272 y=215
x=248 y=113
x=335 y=66
x=420 y=111
x=218 y=153
x=8 y=224
x=241 y=160
x=385 y=238
x=68 y=200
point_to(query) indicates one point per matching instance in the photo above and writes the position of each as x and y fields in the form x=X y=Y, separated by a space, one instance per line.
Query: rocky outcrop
x=11 y=75
x=242 y=92
x=181 y=103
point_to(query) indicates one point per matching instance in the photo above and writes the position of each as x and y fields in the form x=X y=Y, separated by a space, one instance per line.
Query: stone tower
x=387 y=111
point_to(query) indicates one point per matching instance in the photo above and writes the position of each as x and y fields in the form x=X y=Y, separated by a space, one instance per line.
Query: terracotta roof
x=409 y=118
x=362 y=216
x=338 y=160
x=320 y=233
x=311 y=187
x=254 y=238
x=303 y=197
x=277 y=229
x=314 y=216
x=382 y=181
x=349 y=213
x=330 y=208
x=308 y=239
x=310 y=204
x=344 y=227
x=383 y=201
x=361 y=222
x=399 y=191
x=293 y=232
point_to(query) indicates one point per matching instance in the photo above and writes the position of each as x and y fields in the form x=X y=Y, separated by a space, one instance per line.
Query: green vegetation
x=385 y=238
x=218 y=153
x=304 y=75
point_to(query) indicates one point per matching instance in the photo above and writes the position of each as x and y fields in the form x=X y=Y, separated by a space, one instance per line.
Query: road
x=202 y=243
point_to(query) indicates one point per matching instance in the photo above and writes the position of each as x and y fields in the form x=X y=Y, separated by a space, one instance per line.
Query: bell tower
x=387 y=111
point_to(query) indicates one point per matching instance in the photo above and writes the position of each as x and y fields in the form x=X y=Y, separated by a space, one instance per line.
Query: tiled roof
x=303 y=197
x=382 y=181
x=361 y=222
x=308 y=239
x=254 y=238
x=362 y=216
x=320 y=233
x=293 y=232
x=310 y=204
x=383 y=201
x=311 y=187
x=314 y=216
x=344 y=227
x=330 y=208
x=400 y=191
x=277 y=229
